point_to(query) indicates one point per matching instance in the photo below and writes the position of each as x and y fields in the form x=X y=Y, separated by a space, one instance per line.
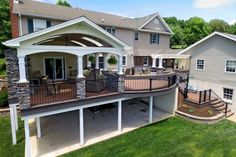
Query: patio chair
x=51 y=86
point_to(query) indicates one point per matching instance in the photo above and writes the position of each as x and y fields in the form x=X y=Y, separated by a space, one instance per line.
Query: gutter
x=20 y=25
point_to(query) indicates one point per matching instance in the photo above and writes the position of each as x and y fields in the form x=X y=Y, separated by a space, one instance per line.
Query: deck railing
x=149 y=82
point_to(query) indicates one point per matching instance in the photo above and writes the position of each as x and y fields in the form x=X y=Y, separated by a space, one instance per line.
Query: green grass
x=2 y=70
x=174 y=137
x=6 y=147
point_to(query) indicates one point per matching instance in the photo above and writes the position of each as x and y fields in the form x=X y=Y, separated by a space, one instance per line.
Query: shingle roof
x=39 y=9
x=230 y=35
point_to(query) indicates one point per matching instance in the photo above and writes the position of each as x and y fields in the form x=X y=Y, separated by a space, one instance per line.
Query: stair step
x=216 y=102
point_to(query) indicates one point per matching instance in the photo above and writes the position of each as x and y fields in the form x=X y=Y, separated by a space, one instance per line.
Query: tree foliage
x=5 y=24
x=187 y=32
x=63 y=3
x=219 y=25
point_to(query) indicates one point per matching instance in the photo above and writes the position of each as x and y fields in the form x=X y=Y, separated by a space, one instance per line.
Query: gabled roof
x=225 y=35
x=161 y=19
x=50 y=11
x=16 y=42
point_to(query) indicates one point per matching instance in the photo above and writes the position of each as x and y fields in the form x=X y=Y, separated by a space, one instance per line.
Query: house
x=50 y=75
x=213 y=66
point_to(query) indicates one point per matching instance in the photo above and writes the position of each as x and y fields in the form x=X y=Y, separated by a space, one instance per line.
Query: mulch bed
x=207 y=111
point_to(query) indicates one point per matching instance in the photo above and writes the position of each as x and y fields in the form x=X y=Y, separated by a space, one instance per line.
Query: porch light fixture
x=92 y=41
x=78 y=43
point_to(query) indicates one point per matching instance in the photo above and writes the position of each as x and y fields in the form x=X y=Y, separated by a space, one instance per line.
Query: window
x=136 y=36
x=100 y=62
x=110 y=30
x=145 y=61
x=230 y=66
x=37 y=24
x=124 y=60
x=200 y=64
x=228 y=94
x=154 y=38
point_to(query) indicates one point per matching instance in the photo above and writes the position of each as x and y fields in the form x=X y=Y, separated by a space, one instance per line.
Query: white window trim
x=147 y=62
x=225 y=66
x=125 y=61
x=34 y=24
x=227 y=100
x=204 y=65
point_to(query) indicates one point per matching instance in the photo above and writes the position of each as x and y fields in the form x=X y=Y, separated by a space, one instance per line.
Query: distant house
x=213 y=65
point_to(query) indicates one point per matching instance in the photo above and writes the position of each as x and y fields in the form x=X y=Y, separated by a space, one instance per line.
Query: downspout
x=20 y=25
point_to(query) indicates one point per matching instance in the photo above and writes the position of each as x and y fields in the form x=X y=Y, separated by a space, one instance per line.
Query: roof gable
x=227 y=36
x=17 y=41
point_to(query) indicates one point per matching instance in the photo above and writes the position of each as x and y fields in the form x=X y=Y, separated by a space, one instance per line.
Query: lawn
x=174 y=137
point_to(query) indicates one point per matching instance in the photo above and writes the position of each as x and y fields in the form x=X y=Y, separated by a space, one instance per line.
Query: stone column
x=23 y=95
x=121 y=83
x=80 y=81
x=12 y=72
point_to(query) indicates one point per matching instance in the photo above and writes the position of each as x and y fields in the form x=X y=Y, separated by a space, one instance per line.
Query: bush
x=112 y=60
x=3 y=97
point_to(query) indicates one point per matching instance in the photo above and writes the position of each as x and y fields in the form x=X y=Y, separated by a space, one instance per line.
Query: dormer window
x=110 y=30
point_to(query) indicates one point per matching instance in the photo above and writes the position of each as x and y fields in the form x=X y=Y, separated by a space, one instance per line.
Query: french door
x=54 y=68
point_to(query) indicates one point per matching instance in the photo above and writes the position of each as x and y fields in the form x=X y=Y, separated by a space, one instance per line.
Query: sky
x=182 y=9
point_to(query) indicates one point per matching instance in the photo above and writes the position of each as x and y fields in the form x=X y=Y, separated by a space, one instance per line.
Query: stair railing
x=225 y=103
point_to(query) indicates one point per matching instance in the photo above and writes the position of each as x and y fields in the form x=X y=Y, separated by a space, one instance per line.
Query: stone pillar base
x=121 y=83
x=81 y=91
x=23 y=95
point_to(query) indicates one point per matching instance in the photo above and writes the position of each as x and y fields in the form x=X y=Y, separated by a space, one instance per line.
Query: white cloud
x=231 y=22
x=205 y=4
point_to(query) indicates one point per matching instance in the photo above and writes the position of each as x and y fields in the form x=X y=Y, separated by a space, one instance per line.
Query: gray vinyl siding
x=215 y=51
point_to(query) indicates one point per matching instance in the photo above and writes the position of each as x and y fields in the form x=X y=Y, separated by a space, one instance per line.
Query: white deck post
x=13 y=124
x=120 y=66
x=80 y=66
x=81 y=123
x=176 y=100
x=120 y=116
x=22 y=72
x=27 y=138
x=37 y=120
x=150 y=109
x=154 y=62
x=15 y=115
x=88 y=62
x=160 y=62
x=105 y=55
x=97 y=61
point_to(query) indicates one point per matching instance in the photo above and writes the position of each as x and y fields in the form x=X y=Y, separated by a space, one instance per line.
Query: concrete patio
x=60 y=133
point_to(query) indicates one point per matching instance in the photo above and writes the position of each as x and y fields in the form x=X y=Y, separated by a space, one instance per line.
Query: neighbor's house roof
x=50 y=11
x=225 y=35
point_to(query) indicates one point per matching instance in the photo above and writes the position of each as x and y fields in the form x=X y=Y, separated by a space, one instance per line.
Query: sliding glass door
x=54 y=68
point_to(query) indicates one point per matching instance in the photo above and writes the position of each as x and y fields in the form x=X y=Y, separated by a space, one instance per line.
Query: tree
x=218 y=25
x=63 y=3
x=232 y=29
x=5 y=24
x=195 y=29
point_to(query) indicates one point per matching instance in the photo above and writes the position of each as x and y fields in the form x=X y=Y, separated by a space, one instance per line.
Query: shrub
x=92 y=58
x=3 y=97
x=112 y=60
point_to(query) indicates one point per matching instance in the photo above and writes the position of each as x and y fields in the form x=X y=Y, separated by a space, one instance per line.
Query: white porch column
x=120 y=116
x=13 y=124
x=21 y=61
x=120 y=66
x=37 y=120
x=150 y=109
x=105 y=55
x=81 y=124
x=176 y=100
x=154 y=62
x=160 y=62
x=88 y=62
x=80 y=67
x=97 y=61
x=27 y=138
